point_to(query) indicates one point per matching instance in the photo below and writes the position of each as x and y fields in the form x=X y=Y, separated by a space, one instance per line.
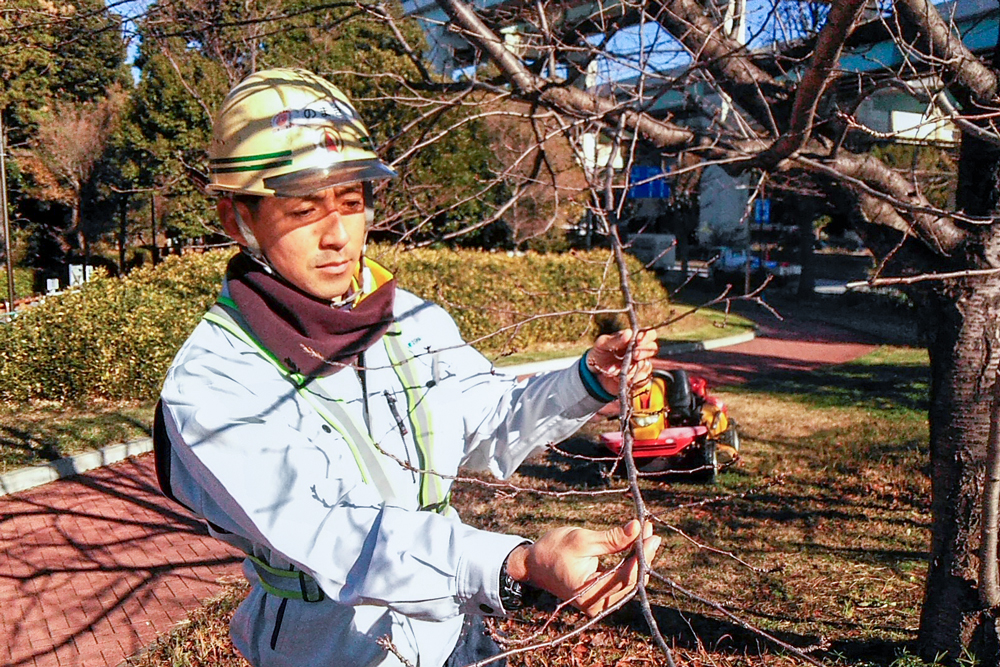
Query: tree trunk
x=122 y=219
x=964 y=352
x=807 y=279
x=683 y=247
x=964 y=344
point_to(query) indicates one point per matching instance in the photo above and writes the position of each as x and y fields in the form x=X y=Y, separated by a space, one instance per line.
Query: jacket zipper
x=362 y=377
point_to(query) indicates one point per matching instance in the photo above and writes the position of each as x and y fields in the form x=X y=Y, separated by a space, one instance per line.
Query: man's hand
x=565 y=563
x=606 y=357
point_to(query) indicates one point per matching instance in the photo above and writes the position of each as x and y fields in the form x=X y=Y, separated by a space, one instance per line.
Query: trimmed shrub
x=497 y=299
x=114 y=338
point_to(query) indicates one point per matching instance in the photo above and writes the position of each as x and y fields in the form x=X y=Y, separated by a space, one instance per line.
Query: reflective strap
x=367 y=457
x=334 y=413
x=432 y=493
x=293 y=584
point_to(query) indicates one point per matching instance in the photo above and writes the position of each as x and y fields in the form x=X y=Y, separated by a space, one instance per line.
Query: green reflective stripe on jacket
x=224 y=318
x=432 y=494
x=334 y=413
x=366 y=454
x=293 y=584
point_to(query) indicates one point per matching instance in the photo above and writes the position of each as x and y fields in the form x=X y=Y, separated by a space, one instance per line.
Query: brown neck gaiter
x=308 y=335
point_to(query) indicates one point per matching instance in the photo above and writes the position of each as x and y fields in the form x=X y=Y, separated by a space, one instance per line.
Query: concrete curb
x=697 y=346
x=29 y=478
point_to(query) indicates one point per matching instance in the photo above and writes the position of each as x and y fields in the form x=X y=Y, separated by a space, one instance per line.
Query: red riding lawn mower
x=679 y=427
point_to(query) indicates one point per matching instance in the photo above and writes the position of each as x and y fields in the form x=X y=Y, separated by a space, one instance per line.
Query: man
x=314 y=417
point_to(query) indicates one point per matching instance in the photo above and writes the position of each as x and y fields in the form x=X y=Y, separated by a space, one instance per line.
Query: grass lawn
x=818 y=537
x=42 y=432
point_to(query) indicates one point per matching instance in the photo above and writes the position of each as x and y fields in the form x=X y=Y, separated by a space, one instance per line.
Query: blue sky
x=129 y=9
x=652 y=46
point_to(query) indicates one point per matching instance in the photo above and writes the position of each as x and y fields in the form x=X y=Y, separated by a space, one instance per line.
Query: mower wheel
x=731 y=436
x=728 y=446
x=709 y=465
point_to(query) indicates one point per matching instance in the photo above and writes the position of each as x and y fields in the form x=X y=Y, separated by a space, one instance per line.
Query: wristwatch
x=511 y=590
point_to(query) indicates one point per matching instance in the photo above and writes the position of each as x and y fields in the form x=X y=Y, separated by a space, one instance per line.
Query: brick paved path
x=780 y=346
x=93 y=567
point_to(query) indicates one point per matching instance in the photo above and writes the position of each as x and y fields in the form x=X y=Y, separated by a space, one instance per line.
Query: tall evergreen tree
x=58 y=62
x=193 y=51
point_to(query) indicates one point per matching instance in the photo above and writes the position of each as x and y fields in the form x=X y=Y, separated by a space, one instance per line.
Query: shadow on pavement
x=96 y=565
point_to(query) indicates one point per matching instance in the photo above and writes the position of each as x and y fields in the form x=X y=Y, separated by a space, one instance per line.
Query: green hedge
x=114 y=338
x=493 y=296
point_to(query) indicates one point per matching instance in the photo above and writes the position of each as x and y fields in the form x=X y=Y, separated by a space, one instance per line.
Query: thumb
x=618 y=538
x=621 y=340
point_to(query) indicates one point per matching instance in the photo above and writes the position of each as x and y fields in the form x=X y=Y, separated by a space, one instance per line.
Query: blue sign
x=646 y=185
x=762 y=211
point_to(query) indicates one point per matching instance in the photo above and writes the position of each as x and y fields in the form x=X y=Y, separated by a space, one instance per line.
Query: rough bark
x=989 y=583
x=963 y=345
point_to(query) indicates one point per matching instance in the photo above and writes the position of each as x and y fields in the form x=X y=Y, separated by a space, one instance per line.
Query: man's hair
x=250 y=201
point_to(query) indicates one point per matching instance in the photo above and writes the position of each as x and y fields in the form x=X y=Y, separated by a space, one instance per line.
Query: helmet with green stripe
x=289 y=133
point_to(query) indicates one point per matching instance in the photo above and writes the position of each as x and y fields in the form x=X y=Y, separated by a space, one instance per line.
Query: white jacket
x=252 y=457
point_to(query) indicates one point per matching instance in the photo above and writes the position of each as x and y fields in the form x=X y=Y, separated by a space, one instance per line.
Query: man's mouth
x=336 y=266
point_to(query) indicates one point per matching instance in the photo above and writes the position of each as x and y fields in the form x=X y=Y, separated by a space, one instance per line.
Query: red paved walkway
x=780 y=345
x=93 y=567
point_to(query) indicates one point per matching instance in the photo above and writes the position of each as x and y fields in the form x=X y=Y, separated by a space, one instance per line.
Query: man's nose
x=334 y=233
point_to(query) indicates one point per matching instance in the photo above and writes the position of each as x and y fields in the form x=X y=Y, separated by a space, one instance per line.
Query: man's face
x=314 y=242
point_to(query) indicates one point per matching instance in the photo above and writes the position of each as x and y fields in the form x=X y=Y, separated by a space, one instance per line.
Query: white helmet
x=290 y=133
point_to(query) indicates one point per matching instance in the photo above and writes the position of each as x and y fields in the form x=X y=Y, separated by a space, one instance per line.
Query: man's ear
x=225 y=207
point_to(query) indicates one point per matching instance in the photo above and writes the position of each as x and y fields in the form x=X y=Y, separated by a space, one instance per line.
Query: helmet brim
x=310 y=181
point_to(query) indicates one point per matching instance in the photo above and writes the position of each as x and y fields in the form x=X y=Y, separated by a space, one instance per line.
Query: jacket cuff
x=479 y=572
x=591 y=383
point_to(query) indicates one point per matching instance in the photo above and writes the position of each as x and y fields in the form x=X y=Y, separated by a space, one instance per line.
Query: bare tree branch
x=728 y=60
x=809 y=92
x=946 y=47
x=566 y=99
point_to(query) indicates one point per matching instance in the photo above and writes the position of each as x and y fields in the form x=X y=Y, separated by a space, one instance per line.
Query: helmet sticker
x=332 y=141
x=282 y=121
x=322 y=112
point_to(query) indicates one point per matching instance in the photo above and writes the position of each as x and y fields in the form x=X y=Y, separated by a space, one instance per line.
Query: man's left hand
x=606 y=357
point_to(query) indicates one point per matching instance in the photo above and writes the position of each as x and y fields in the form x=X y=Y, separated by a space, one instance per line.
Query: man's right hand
x=565 y=562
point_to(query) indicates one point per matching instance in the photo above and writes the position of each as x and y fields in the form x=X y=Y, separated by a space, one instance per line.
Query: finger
x=606 y=588
x=647 y=346
x=628 y=573
x=641 y=369
x=647 y=338
x=615 y=342
x=615 y=539
x=650 y=546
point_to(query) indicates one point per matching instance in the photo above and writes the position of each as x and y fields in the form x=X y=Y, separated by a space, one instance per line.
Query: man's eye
x=303 y=212
x=353 y=206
